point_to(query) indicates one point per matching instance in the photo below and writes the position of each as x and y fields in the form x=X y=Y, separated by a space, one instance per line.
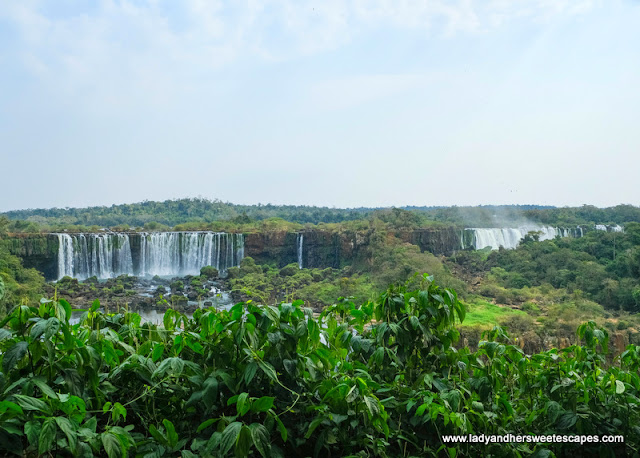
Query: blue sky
x=337 y=103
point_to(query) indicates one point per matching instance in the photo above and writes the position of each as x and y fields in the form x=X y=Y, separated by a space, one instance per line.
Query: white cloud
x=212 y=34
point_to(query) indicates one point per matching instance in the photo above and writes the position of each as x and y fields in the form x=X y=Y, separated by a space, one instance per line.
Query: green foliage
x=604 y=266
x=379 y=379
x=209 y=272
x=315 y=286
x=17 y=284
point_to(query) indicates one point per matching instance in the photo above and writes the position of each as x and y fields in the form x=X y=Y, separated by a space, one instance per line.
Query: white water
x=162 y=253
x=65 y=255
x=510 y=237
x=616 y=228
x=300 y=242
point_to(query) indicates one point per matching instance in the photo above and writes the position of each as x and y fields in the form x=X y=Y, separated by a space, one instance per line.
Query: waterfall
x=240 y=249
x=612 y=228
x=299 y=243
x=161 y=253
x=510 y=237
x=65 y=255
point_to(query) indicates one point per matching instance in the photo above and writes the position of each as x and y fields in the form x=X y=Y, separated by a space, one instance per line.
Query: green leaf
x=250 y=372
x=158 y=436
x=29 y=403
x=158 y=351
x=47 y=435
x=38 y=329
x=172 y=435
x=262 y=404
x=95 y=305
x=8 y=406
x=13 y=355
x=260 y=437
x=5 y=334
x=229 y=436
x=268 y=369
x=477 y=406
x=67 y=309
x=111 y=445
x=32 y=430
x=372 y=405
x=243 y=404
x=619 y=387
x=205 y=424
x=353 y=393
x=283 y=431
x=67 y=428
x=312 y=427
x=53 y=325
x=243 y=442
x=46 y=389
x=567 y=420
x=118 y=411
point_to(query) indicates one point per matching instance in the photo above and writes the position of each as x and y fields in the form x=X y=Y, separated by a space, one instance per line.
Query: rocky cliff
x=320 y=248
x=38 y=251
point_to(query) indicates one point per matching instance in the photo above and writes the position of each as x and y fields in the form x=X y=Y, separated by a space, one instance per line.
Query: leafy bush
x=380 y=379
x=209 y=272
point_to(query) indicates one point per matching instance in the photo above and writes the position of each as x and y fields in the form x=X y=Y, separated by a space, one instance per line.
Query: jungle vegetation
x=203 y=213
x=381 y=378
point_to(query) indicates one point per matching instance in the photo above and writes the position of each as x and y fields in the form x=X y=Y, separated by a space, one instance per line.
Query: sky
x=333 y=103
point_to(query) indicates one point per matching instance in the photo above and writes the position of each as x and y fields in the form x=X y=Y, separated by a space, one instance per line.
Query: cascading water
x=613 y=228
x=510 y=237
x=161 y=253
x=65 y=255
x=299 y=243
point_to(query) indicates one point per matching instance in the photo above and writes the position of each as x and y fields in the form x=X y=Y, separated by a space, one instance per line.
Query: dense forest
x=202 y=211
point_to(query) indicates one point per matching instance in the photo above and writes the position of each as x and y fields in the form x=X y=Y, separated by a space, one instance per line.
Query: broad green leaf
x=262 y=404
x=372 y=405
x=95 y=305
x=47 y=435
x=619 y=387
x=111 y=445
x=32 y=430
x=243 y=404
x=29 y=403
x=68 y=429
x=172 y=436
x=268 y=369
x=67 y=309
x=250 y=372
x=157 y=435
x=260 y=437
x=118 y=411
x=13 y=355
x=229 y=436
x=8 y=406
x=243 y=442
x=46 y=389
x=5 y=334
